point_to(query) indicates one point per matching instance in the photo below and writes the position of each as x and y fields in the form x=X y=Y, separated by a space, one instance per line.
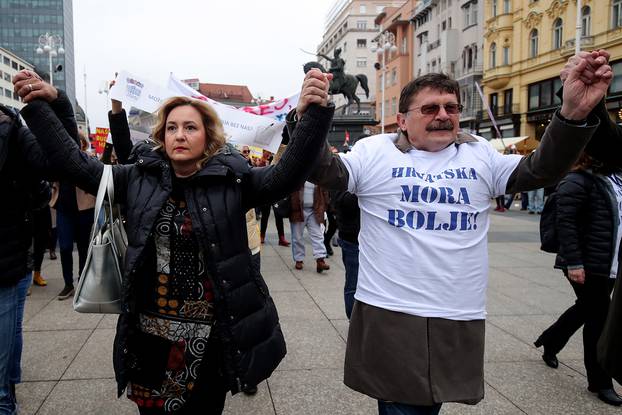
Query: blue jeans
x=350 y=257
x=73 y=227
x=394 y=408
x=12 y=301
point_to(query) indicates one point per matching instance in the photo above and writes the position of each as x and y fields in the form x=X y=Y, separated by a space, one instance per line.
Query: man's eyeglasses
x=433 y=109
x=245 y=151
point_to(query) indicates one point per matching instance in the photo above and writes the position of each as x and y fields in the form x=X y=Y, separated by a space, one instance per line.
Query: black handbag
x=283 y=207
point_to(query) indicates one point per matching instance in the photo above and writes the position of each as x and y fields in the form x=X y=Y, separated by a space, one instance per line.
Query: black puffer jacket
x=221 y=193
x=348 y=215
x=22 y=165
x=587 y=223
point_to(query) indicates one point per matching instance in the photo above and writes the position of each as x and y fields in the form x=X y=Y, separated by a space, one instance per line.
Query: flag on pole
x=347 y=140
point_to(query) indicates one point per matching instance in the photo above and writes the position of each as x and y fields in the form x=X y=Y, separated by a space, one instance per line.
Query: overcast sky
x=255 y=43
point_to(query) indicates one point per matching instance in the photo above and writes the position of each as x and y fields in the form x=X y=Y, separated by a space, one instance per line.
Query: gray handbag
x=100 y=286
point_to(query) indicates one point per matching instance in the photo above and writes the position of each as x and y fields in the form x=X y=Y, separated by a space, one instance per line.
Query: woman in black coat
x=587 y=224
x=197 y=317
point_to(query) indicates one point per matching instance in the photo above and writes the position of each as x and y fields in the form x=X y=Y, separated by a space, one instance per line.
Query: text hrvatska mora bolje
x=455 y=220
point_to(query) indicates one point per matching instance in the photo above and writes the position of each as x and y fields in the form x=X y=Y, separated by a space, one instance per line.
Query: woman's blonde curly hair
x=214 y=132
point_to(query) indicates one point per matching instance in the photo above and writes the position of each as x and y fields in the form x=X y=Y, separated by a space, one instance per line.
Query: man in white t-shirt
x=416 y=336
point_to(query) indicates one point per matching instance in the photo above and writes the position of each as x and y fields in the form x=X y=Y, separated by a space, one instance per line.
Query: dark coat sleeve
x=64 y=154
x=268 y=184
x=606 y=144
x=64 y=111
x=559 y=149
x=572 y=203
x=120 y=132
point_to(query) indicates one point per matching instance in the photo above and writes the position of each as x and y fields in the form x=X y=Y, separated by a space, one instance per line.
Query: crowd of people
x=412 y=211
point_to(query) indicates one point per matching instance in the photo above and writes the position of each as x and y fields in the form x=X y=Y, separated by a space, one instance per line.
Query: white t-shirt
x=307 y=195
x=424 y=219
x=616 y=182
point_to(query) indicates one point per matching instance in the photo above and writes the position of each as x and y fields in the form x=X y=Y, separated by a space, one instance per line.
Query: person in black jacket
x=588 y=229
x=197 y=318
x=21 y=166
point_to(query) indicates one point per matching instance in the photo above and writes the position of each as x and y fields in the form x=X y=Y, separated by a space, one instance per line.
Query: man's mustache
x=440 y=125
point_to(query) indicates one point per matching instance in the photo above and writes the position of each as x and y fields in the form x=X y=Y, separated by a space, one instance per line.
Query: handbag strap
x=106 y=187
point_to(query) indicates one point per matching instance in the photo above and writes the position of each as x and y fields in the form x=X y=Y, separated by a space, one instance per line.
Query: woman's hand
x=28 y=85
x=314 y=90
x=577 y=275
x=117 y=106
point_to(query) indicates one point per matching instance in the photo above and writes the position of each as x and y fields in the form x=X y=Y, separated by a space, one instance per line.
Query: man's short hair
x=437 y=81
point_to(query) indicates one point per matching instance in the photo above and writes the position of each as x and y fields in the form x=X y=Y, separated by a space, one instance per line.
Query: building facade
x=10 y=64
x=527 y=43
x=350 y=27
x=21 y=24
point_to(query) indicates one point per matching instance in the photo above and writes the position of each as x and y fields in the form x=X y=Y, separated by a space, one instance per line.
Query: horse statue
x=342 y=83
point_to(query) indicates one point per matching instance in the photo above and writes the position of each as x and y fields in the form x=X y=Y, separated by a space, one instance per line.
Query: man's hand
x=585 y=85
x=314 y=90
x=577 y=275
x=28 y=85
x=595 y=60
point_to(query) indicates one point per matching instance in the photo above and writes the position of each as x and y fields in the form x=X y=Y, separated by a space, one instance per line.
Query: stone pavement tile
x=493 y=404
x=579 y=366
x=503 y=347
x=328 y=294
x=317 y=392
x=547 y=276
x=500 y=260
x=281 y=281
x=296 y=305
x=545 y=299
x=59 y=315
x=50 y=291
x=342 y=327
x=32 y=307
x=537 y=389
x=541 y=259
x=501 y=304
x=258 y=404
x=311 y=344
x=47 y=354
x=30 y=396
x=109 y=321
x=82 y=397
x=94 y=359
x=528 y=328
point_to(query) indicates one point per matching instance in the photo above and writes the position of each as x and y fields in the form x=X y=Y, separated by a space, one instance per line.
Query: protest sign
x=101 y=135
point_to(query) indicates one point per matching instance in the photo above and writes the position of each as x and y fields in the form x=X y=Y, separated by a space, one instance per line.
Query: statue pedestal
x=354 y=124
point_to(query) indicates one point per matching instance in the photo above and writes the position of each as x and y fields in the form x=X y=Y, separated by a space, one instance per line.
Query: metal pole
x=383 y=85
x=577 y=38
x=86 y=117
x=51 y=73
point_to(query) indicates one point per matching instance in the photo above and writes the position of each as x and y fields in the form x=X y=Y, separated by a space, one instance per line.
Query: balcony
x=568 y=47
x=497 y=78
x=505 y=111
x=473 y=70
x=434 y=45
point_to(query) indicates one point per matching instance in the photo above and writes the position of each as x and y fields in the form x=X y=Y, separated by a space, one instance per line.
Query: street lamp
x=384 y=43
x=53 y=46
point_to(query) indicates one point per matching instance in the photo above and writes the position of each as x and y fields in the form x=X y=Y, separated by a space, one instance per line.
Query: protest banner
x=101 y=135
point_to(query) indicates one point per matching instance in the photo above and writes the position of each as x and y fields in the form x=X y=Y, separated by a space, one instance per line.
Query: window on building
x=533 y=43
x=6 y=61
x=466 y=10
x=493 y=55
x=14 y=65
x=15 y=96
x=586 y=21
x=469 y=58
x=616 y=13
x=506 y=6
x=474 y=13
x=7 y=93
x=443 y=25
x=493 y=102
x=394 y=76
x=616 y=83
x=393 y=106
x=494 y=8
x=507 y=101
x=7 y=77
x=404 y=45
x=345 y=46
x=362 y=9
x=558 y=32
x=361 y=24
x=449 y=23
x=361 y=62
x=506 y=55
x=542 y=94
x=361 y=43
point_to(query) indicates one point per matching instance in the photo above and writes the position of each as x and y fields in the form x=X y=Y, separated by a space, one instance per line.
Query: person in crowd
x=416 y=335
x=42 y=224
x=347 y=215
x=197 y=318
x=74 y=220
x=536 y=201
x=308 y=205
x=22 y=165
x=278 y=220
x=587 y=223
x=54 y=230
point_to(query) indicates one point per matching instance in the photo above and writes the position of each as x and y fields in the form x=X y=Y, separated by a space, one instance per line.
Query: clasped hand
x=314 y=90
x=28 y=85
